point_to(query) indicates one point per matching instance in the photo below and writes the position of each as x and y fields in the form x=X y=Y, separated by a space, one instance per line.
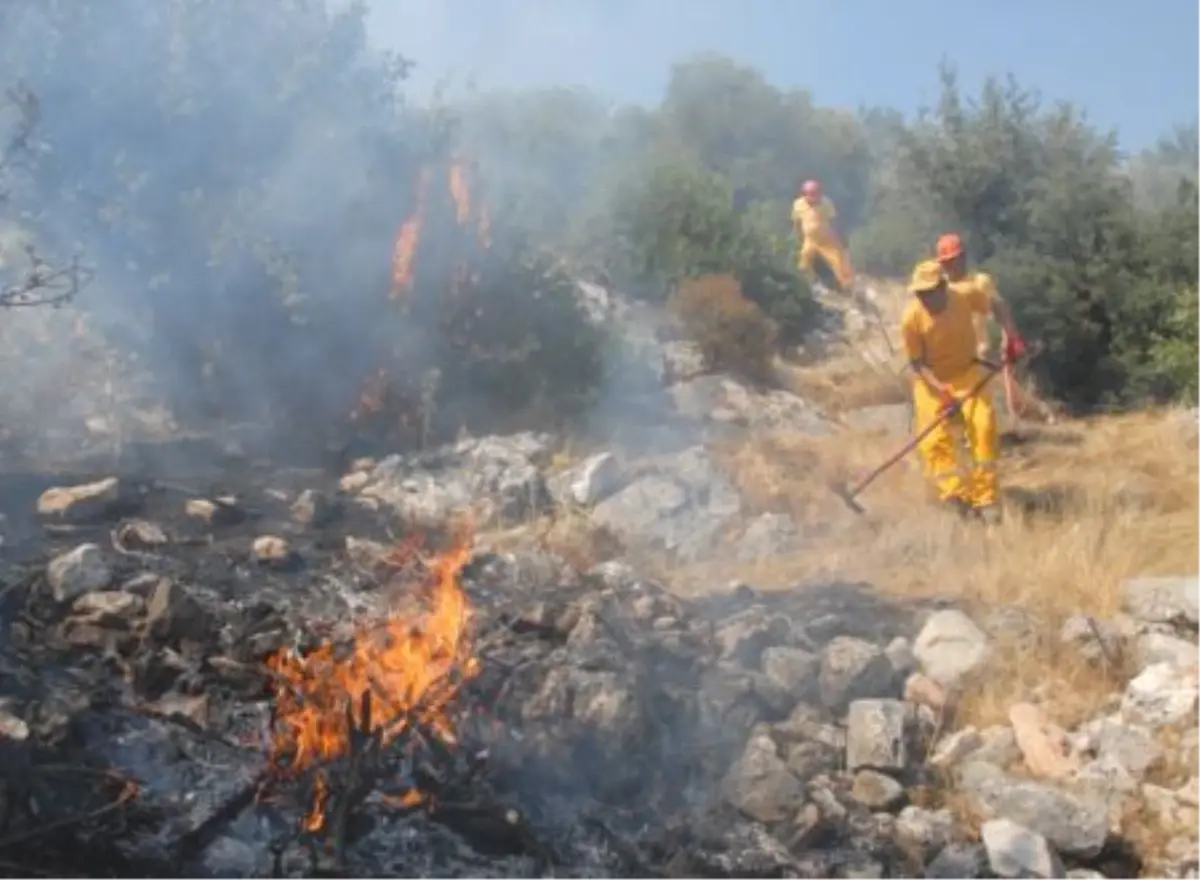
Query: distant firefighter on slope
x=814 y=219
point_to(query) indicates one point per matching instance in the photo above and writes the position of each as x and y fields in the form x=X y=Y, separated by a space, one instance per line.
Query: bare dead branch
x=38 y=282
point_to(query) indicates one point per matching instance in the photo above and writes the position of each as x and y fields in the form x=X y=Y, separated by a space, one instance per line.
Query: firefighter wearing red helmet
x=813 y=217
x=940 y=330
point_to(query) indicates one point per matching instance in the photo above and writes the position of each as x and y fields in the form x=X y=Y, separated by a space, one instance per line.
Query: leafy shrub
x=733 y=333
x=675 y=220
x=516 y=339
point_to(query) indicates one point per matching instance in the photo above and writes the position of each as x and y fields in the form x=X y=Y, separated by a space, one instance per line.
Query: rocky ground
x=574 y=717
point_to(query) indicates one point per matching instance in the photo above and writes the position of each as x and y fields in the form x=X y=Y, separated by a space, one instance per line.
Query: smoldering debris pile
x=261 y=679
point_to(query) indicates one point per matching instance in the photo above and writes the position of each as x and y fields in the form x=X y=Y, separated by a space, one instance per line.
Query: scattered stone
x=78 y=571
x=1130 y=745
x=684 y=508
x=956 y=747
x=1044 y=746
x=271 y=550
x=900 y=654
x=1076 y=824
x=876 y=791
x=12 y=726
x=140 y=534
x=83 y=503
x=217 y=512
x=588 y=482
x=1155 y=647
x=354 y=482
x=173 y=616
x=921 y=690
x=793 y=670
x=853 y=669
x=1015 y=851
x=958 y=860
x=110 y=610
x=926 y=830
x=1172 y=600
x=499 y=478
x=999 y=746
x=760 y=785
x=877 y=735
x=810 y=758
x=1162 y=694
x=314 y=509
x=744 y=637
x=950 y=647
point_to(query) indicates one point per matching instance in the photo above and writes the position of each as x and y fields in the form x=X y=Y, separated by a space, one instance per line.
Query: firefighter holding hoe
x=813 y=217
x=939 y=329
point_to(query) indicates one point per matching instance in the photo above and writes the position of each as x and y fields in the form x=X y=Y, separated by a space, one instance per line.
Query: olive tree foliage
x=1157 y=172
x=1045 y=203
x=231 y=169
x=700 y=184
x=237 y=172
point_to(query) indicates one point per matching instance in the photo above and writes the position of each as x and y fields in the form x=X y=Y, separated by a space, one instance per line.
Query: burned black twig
x=128 y=792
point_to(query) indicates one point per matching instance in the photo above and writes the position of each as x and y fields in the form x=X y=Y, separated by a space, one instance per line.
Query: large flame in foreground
x=412 y=664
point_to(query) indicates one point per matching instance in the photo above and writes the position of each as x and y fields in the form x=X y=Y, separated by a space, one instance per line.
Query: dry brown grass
x=1091 y=503
x=1126 y=492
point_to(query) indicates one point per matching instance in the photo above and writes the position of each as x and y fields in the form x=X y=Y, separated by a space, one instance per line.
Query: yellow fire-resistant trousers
x=975 y=484
x=835 y=258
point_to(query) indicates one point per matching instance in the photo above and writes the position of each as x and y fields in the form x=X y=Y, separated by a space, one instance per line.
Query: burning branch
x=338 y=709
x=38 y=282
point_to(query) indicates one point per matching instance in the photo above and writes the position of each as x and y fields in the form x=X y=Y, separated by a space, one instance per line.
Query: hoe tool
x=849 y=494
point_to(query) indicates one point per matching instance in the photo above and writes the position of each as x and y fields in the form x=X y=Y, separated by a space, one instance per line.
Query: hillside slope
x=1092 y=504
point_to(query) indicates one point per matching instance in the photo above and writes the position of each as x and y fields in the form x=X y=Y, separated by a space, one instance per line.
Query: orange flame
x=405 y=251
x=412 y=664
x=409 y=239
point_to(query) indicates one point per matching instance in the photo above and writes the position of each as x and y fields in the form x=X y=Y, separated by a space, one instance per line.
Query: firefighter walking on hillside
x=814 y=219
x=941 y=342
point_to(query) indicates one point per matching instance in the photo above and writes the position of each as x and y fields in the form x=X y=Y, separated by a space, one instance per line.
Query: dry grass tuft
x=732 y=332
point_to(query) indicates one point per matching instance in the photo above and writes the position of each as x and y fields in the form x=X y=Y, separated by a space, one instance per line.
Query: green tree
x=238 y=173
x=674 y=219
x=1045 y=204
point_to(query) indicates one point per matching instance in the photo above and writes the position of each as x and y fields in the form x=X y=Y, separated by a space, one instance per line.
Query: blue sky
x=1131 y=65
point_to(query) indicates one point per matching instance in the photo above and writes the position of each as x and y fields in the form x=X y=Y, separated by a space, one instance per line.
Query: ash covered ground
x=527 y=718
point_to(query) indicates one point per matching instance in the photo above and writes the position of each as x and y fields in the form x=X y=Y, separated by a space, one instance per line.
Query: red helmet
x=949 y=247
x=811 y=189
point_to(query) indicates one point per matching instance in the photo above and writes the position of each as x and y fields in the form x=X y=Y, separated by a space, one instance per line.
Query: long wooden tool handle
x=992 y=370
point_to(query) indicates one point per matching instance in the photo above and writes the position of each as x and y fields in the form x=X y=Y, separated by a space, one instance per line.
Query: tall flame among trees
x=412 y=665
x=408 y=240
x=380 y=392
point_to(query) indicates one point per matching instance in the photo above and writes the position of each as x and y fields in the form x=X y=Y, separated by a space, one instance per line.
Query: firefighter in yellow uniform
x=939 y=333
x=813 y=217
